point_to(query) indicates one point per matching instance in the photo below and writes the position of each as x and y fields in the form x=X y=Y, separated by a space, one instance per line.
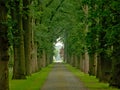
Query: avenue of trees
x=92 y=39
x=89 y=30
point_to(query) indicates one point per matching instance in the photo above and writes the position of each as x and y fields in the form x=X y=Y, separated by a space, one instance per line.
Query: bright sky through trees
x=59 y=44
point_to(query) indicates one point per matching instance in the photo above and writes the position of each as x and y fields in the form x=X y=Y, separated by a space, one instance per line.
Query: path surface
x=60 y=78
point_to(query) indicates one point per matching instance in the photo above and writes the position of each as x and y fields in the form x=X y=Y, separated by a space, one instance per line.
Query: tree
x=113 y=39
x=19 y=71
x=4 y=45
x=27 y=27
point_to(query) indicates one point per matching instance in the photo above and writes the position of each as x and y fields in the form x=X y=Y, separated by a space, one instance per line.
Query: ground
x=60 y=78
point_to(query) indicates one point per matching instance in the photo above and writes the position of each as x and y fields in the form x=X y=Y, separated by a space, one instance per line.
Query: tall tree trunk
x=39 y=61
x=44 y=58
x=34 y=60
x=76 y=61
x=48 y=58
x=27 y=37
x=33 y=63
x=4 y=57
x=71 y=60
x=86 y=64
x=19 y=54
x=14 y=15
x=93 y=64
x=21 y=49
x=115 y=77
x=16 y=63
x=100 y=65
x=102 y=55
x=104 y=68
x=82 y=60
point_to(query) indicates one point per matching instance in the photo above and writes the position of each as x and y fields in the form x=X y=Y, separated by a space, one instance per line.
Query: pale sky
x=58 y=44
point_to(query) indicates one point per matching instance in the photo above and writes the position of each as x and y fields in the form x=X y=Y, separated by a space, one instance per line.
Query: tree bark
x=44 y=58
x=28 y=34
x=21 y=49
x=34 y=59
x=93 y=64
x=115 y=75
x=86 y=66
x=19 y=54
x=4 y=57
x=82 y=60
x=104 y=68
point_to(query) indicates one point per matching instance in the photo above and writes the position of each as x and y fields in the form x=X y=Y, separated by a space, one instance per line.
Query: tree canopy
x=89 y=30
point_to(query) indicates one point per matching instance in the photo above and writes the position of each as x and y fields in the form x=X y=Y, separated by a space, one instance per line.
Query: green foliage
x=46 y=32
x=102 y=25
x=75 y=38
x=95 y=29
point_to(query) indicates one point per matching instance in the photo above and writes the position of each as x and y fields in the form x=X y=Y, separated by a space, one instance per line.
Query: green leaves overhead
x=52 y=21
x=80 y=23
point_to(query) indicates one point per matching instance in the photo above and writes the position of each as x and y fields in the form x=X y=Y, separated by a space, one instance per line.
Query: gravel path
x=60 y=78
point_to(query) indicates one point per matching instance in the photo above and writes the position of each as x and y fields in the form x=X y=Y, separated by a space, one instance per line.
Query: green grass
x=33 y=82
x=91 y=82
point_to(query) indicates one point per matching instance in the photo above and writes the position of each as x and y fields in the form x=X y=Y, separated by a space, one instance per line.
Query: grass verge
x=91 y=82
x=33 y=82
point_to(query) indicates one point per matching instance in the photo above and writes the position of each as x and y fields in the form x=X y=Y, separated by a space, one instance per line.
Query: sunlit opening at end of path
x=58 y=51
x=59 y=42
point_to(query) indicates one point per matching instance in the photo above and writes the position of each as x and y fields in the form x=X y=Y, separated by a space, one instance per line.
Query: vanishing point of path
x=60 y=78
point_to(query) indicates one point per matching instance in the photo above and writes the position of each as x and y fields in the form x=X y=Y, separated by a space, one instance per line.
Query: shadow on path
x=60 y=78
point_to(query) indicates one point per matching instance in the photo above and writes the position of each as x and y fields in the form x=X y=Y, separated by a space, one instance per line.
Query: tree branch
x=49 y=3
x=54 y=12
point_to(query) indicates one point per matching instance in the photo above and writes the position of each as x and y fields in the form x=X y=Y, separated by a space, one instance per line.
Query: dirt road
x=60 y=78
